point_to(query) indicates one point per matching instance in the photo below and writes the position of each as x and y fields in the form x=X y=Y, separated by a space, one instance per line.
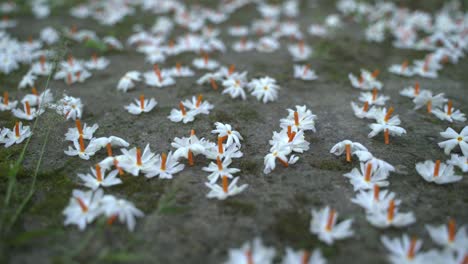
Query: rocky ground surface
x=181 y=225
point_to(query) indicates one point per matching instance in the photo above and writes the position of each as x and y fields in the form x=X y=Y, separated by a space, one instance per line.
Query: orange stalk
x=391 y=211
x=5 y=98
x=83 y=206
x=182 y=108
x=436 y=168
x=331 y=217
x=376 y=192
x=449 y=107
x=225 y=183
x=190 y=158
x=79 y=127
x=213 y=83
x=82 y=147
x=138 y=156
x=368 y=172
x=142 y=102
x=17 y=129
x=109 y=149
x=28 y=108
x=386 y=136
x=348 y=152
x=98 y=173
x=163 y=161
x=199 y=100
x=296 y=118
x=451 y=230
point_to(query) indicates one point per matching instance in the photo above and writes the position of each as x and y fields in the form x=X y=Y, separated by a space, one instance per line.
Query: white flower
x=367 y=177
x=133 y=161
x=366 y=81
x=295 y=141
x=401 y=69
x=86 y=131
x=265 y=88
x=120 y=209
x=225 y=130
x=83 y=208
x=18 y=135
x=448 y=237
x=267 y=44
x=324 y=225
x=437 y=172
x=366 y=156
x=80 y=150
x=36 y=99
x=70 y=107
x=98 y=178
x=234 y=85
x=390 y=126
x=220 y=169
x=127 y=81
x=301 y=119
x=300 y=51
x=165 y=167
x=459 y=161
x=97 y=63
x=460 y=139
x=243 y=45
x=6 y=104
x=347 y=146
x=404 y=250
x=180 y=71
x=181 y=114
x=102 y=142
x=303 y=257
x=304 y=72
x=29 y=113
x=425 y=98
x=373 y=98
x=157 y=78
x=198 y=106
x=141 y=105
x=412 y=91
x=375 y=200
x=364 y=111
x=187 y=147
x=251 y=252
x=205 y=63
x=224 y=191
x=391 y=217
x=449 y=113
x=28 y=80
x=278 y=152
x=49 y=35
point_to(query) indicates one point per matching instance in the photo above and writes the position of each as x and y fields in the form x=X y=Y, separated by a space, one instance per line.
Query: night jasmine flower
x=234 y=85
x=97 y=63
x=300 y=119
x=180 y=71
x=300 y=51
x=449 y=113
x=17 y=135
x=324 y=225
x=390 y=126
x=347 y=146
x=267 y=44
x=188 y=147
x=80 y=150
x=6 y=104
x=404 y=250
x=366 y=81
x=29 y=112
x=304 y=72
x=141 y=105
x=120 y=209
x=181 y=114
x=401 y=69
x=127 y=82
x=455 y=139
x=425 y=98
x=83 y=208
x=447 y=235
x=226 y=189
x=28 y=80
x=165 y=167
x=198 y=106
x=375 y=200
x=85 y=131
x=367 y=177
x=391 y=217
x=225 y=130
x=220 y=169
x=98 y=178
x=205 y=63
x=459 y=161
x=437 y=172
x=265 y=88
x=303 y=257
x=412 y=91
x=373 y=98
x=158 y=78
x=364 y=111
x=133 y=161
x=251 y=252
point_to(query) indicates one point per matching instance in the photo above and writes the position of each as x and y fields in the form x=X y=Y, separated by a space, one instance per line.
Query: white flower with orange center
x=141 y=105
x=226 y=189
x=80 y=150
x=83 y=208
x=278 y=153
x=364 y=111
x=412 y=91
x=264 y=89
x=293 y=140
x=198 y=106
x=455 y=139
x=70 y=107
x=459 y=161
x=97 y=63
x=188 y=147
x=375 y=200
x=366 y=81
x=182 y=114
x=348 y=147
x=133 y=161
x=243 y=45
x=299 y=119
x=324 y=225
x=181 y=71
x=300 y=51
x=165 y=167
x=387 y=124
x=303 y=72
x=448 y=236
x=366 y=156
x=28 y=80
x=234 y=85
x=86 y=131
x=6 y=104
x=222 y=151
x=29 y=112
x=449 y=113
x=404 y=250
x=220 y=169
x=303 y=257
x=425 y=98
x=402 y=69
x=36 y=99
x=373 y=98
x=98 y=178
x=121 y=210
x=225 y=130
x=16 y=136
x=158 y=78
x=251 y=253
x=367 y=177
x=390 y=217
x=205 y=63
x=437 y=172
x=127 y=82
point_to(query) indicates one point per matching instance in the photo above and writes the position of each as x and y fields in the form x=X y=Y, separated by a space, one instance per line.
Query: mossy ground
x=181 y=225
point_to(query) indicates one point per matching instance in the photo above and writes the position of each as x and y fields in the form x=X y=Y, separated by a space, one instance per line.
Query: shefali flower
x=324 y=225
x=294 y=140
x=18 y=135
x=391 y=217
x=211 y=78
x=304 y=72
x=347 y=146
x=366 y=81
x=375 y=200
x=301 y=119
x=265 y=88
x=366 y=156
x=85 y=131
x=109 y=142
x=35 y=99
x=267 y=44
x=141 y=105
x=367 y=177
x=425 y=98
x=133 y=161
x=454 y=139
x=390 y=126
x=80 y=149
x=97 y=63
x=69 y=106
x=251 y=252
x=98 y=178
x=83 y=208
x=448 y=237
x=300 y=51
x=222 y=151
x=180 y=71
x=303 y=257
x=120 y=209
x=364 y=111
x=401 y=69
x=165 y=167
x=404 y=250
x=181 y=114
x=449 y=113
x=158 y=78
x=6 y=104
x=278 y=152
x=198 y=106
x=29 y=113
x=205 y=63
x=220 y=169
x=28 y=80
x=225 y=130
x=243 y=45
x=373 y=98
x=127 y=81
x=437 y=172
x=234 y=85
x=188 y=147
x=226 y=190
x=459 y=161
x=412 y=91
